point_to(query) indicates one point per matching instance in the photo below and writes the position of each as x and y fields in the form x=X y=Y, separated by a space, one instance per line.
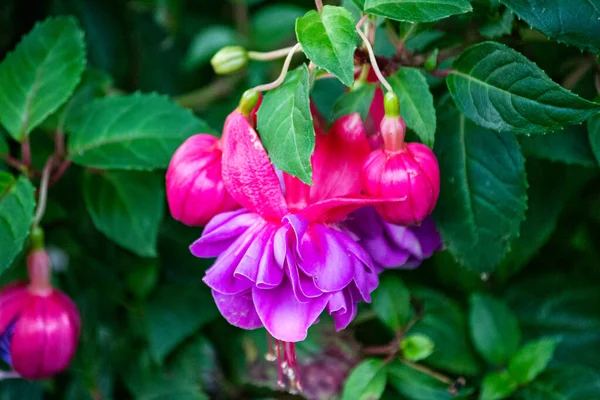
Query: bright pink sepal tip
x=195 y=188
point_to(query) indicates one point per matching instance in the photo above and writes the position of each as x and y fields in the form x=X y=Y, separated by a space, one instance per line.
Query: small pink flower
x=39 y=325
x=402 y=170
x=195 y=188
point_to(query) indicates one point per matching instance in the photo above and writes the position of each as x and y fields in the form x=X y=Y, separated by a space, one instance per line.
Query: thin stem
x=284 y=71
x=201 y=98
x=362 y=21
x=441 y=73
x=43 y=192
x=319 y=4
x=271 y=55
x=26 y=152
x=372 y=32
x=374 y=61
x=60 y=171
x=9 y=375
x=13 y=162
x=428 y=371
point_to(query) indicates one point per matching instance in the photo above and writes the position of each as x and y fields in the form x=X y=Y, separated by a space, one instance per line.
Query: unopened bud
x=229 y=59
x=431 y=62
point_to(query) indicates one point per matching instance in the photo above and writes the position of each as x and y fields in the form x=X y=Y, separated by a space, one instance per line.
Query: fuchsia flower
x=195 y=189
x=39 y=325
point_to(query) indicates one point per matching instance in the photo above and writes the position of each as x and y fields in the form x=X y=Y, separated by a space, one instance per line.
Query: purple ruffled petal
x=342 y=308
x=238 y=309
x=284 y=317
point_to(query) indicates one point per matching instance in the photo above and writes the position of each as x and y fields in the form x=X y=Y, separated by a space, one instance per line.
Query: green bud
x=229 y=59
x=431 y=62
x=391 y=103
x=416 y=347
x=37 y=238
x=248 y=101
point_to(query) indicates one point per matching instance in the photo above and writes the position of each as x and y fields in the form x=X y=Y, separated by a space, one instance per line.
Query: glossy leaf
x=497 y=385
x=531 y=360
x=483 y=190
x=417 y=10
x=328 y=39
x=391 y=302
x=500 y=89
x=570 y=146
x=173 y=314
x=127 y=207
x=494 y=329
x=16 y=214
x=573 y=22
x=445 y=323
x=285 y=125
x=358 y=100
x=40 y=74
x=570 y=382
x=366 y=381
x=416 y=347
x=139 y=131
x=416 y=102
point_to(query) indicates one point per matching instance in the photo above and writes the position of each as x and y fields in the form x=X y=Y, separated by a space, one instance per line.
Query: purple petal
x=342 y=309
x=270 y=271
x=238 y=309
x=248 y=266
x=222 y=231
x=284 y=317
x=303 y=286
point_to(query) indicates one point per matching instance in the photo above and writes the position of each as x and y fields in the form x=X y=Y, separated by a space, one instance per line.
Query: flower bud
x=229 y=59
x=195 y=188
x=431 y=62
x=39 y=325
x=411 y=173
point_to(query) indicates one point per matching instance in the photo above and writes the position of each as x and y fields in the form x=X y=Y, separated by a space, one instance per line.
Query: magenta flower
x=39 y=325
x=283 y=260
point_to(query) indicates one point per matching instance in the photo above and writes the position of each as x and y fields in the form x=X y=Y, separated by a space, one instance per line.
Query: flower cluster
x=287 y=251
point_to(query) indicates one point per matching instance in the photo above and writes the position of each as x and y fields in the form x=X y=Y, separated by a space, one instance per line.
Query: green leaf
x=285 y=125
x=366 y=381
x=444 y=322
x=483 y=190
x=570 y=146
x=16 y=214
x=497 y=385
x=416 y=385
x=416 y=347
x=594 y=135
x=573 y=22
x=206 y=43
x=175 y=312
x=500 y=26
x=358 y=100
x=40 y=74
x=127 y=207
x=20 y=389
x=417 y=10
x=571 y=382
x=416 y=102
x=3 y=145
x=562 y=306
x=391 y=301
x=498 y=88
x=329 y=39
x=531 y=360
x=272 y=25
x=494 y=329
x=139 y=131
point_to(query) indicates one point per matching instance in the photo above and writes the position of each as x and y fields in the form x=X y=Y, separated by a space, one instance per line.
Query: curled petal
x=238 y=309
x=342 y=308
x=247 y=172
x=284 y=317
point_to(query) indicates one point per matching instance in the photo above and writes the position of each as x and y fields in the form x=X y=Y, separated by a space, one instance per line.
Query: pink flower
x=39 y=325
x=195 y=188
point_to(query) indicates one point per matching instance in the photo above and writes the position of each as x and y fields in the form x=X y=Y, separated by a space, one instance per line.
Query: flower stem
x=428 y=371
x=43 y=191
x=271 y=55
x=374 y=61
x=26 y=152
x=284 y=71
x=362 y=21
x=319 y=4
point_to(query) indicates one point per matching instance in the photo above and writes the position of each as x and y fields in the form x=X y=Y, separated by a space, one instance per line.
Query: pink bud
x=195 y=188
x=411 y=173
x=38 y=332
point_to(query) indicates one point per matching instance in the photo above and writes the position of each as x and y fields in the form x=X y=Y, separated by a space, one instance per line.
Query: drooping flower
x=401 y=169
x=284 y=259
x=195 y=188
x=39 y=325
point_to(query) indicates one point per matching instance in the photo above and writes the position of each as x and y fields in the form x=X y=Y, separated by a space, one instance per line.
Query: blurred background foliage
x=150 y=327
